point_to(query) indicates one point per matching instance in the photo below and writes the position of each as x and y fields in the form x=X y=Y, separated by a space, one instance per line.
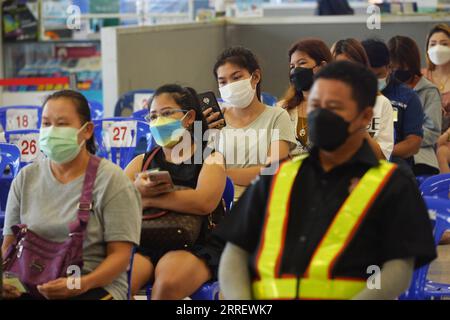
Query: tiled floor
x=440 y=268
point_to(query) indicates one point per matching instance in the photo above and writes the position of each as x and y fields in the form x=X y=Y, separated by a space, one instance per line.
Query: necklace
x=441 y=86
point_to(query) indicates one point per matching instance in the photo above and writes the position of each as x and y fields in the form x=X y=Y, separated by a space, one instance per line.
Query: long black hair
x=243 y=58
x=81 y=106
x=187 y=99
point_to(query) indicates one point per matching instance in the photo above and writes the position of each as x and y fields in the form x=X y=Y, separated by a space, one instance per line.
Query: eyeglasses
x=166 y=113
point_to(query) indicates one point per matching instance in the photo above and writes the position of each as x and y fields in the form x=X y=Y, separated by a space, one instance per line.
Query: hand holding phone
x=12 y=279
x=161 y=177
x=152 y=183
x=211 y=110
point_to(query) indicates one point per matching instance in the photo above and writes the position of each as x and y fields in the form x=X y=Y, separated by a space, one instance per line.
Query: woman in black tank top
x=177 y=274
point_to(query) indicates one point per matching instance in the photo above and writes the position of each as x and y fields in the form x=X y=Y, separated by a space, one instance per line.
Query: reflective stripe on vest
x=317 y=282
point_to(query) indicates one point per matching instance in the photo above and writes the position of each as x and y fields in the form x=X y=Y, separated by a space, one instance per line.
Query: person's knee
x=166 y=287
x=141 y=274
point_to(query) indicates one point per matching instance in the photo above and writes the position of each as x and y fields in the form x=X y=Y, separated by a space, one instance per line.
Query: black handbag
x=164 y=230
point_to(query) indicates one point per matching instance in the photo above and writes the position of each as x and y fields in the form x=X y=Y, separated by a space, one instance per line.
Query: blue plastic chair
x=22 y=122
x=29 y=149
x=437 y=186
x=9 y=157
x=210 y=290
x=421 y=288
x=120 y=155
x=140 y=115
x=150 y=143
x=269 y=99
x=228 y=194
x=421 y=179
x=125 y=106
x=96 y=109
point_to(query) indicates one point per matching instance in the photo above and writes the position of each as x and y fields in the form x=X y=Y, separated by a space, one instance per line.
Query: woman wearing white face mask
x=438 y=66
x=45 y=196
x=255 y=135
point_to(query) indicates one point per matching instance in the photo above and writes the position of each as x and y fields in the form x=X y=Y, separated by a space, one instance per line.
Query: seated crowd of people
x=356 y=111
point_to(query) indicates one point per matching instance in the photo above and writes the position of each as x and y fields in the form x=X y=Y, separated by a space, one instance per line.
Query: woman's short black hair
x=81 y=106
x=377 y=52
x=363 y=82
x=186 y=98
x=243 y=58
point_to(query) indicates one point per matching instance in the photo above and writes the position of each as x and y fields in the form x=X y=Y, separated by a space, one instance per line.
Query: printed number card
x=21 y=119
x=120 y=134
x=28 y=145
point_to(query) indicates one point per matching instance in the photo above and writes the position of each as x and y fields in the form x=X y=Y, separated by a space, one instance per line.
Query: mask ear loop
x=81 y=129
x=182 y=119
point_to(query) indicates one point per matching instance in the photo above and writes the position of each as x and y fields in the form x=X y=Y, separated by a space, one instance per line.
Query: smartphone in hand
x=13 y=280
x=208 y=100
x=161 y=177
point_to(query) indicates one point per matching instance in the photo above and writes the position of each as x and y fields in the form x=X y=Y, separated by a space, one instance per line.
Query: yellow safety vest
x=317 y=282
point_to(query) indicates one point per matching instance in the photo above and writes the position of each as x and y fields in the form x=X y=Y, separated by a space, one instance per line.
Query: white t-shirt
x=382 y=126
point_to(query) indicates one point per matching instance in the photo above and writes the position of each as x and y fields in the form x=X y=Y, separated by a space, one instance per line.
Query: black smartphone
x=208 y=100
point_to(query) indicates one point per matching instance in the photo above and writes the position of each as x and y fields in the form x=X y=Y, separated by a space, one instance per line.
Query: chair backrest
x=117 y=138
x=228 y=194
x=436 y=186
x=132 y=101
x=9 y=156
x=150 y=144
x=20 y=118
x=439 y=211
x=421 y=179
x=140 y=114
x=269 y=99
x=96 y=109
x=28 y=143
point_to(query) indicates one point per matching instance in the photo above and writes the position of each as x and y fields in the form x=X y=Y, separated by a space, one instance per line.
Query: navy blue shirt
x=408 y=112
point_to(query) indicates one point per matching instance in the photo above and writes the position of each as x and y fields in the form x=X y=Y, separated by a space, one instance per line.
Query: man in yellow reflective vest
x=335 y=224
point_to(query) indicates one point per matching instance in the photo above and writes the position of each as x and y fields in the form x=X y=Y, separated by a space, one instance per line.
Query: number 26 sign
x=28 y=145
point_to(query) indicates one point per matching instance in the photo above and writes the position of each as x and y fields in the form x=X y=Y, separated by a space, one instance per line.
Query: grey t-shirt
x=249 y=146
x=47 y=207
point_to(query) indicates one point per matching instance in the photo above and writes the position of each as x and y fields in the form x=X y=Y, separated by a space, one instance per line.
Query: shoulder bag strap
x=85 y=203
x=150 y=158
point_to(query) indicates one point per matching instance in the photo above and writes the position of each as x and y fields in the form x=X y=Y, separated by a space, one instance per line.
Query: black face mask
x=403 y=75
x=327 y=130
x=302 y=78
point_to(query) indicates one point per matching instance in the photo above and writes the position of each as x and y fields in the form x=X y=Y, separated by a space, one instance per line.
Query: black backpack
x=334 y=7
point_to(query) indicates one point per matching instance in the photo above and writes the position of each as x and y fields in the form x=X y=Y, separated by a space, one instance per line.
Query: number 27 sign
x=120 y=134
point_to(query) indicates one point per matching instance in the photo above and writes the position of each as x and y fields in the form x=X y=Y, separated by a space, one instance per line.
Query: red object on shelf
x=33 y=81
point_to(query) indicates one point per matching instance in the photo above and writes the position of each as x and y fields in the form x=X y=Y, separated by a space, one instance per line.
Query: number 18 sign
x=21 y=119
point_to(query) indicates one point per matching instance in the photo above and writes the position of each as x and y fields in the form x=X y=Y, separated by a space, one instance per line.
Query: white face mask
x=238 y=94
x=382 y=83
x=439 y=54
